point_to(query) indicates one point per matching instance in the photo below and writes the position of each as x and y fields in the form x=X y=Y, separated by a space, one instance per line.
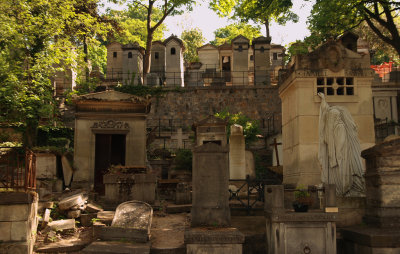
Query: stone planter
x=124 y=187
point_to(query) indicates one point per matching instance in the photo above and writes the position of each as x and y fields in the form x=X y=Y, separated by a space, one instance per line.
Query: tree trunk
x=267 y=28
x=147 y=54
x=30 y=135
x=86 y=59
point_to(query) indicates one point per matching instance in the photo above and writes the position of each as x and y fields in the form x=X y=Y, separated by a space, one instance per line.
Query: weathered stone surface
x=46 y=165
x=15 y=248
x=213 y=236
x=86 y=219
x=117 y=248
x=62 y=224
x=14 y=212
x=19 y=231
x=106 y=233
x=210 y=205
x=46 y=218
x=237 y=153
x=372 y=236
x=106 y=217
x=183 y=194
x=5 y=229
x=74 y=214
x=93 y=208
x=214 y=248
x=71 y=201
x=144 y=188
x=178 y=208
x=133 y=214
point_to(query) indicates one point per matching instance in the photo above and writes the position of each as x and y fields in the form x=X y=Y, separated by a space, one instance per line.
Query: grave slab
x=117 y=248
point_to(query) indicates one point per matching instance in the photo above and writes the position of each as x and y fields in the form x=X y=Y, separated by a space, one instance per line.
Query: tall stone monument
x=344 y=76
x=210 y=230
x=237 y=153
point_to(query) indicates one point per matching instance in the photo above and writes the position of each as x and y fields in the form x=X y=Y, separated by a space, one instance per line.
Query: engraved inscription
x=110 y=124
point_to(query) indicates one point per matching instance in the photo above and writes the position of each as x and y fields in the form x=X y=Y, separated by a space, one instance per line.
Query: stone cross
x=275 y=145
x=179 y=136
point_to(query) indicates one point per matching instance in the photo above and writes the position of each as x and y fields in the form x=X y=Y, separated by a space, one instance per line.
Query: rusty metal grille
x=17 y=169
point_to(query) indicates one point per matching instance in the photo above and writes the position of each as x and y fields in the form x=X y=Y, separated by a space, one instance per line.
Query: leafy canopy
x=229 y=32
x=251 y=127
x=192 y=39
x=334 y=17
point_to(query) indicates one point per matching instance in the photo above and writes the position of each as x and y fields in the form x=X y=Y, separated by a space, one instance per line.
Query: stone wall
x=194 y=104
x=18 y=222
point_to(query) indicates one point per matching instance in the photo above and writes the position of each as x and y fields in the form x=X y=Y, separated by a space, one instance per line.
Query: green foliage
x=229 y=32
x=329 y=19
x=301 y=192
x=261 y=12
x=133 y=24
x=250 y=127
x=192 y=39
x=139 y=90
x=183 y=159
x=55 y=136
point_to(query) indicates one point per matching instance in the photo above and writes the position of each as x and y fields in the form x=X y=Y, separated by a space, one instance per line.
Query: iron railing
x=17 y=169
x=384 y=128
x=195 y=78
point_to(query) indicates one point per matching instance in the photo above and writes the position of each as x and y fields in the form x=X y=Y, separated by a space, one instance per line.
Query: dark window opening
x=156 y=55
x=330 y=91
x=340 y=91
x=340 y=81
x=349 y=90
x=251 y=58
x=320 y=81
x=329 y=81
x=114 y=54
x=240 y=48
x=275 y=56
x=262 y=49
x=173 y=51
x=129 y=54
x=320 y=90
x=349 y=81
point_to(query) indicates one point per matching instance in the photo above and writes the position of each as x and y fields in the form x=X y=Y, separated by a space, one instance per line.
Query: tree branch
x=139 y=3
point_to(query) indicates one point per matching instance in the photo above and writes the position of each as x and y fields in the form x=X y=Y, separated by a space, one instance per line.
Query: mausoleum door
x=110 y=150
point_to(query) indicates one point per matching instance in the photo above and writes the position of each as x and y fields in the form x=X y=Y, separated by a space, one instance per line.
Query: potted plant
x=302 y=199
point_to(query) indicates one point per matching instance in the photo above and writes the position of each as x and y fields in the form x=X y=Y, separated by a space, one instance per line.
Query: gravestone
x=240 y=63
x=132 y=221
x=210 y=231
x=210 y=186
x=237 y=153
x=210 y=130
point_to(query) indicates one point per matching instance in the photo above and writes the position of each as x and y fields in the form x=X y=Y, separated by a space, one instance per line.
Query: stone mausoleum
x=344 y=76
x=110 y=129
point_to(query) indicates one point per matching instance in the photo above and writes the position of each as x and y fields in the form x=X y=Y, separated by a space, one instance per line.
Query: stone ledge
x=213 y=235
x=10 y=198
x=111 y=233
x=301 y=217
x=372 y=236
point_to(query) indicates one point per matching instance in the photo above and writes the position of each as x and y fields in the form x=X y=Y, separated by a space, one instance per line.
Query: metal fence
x=384 y=128
x=209 y=77
x=17 y=169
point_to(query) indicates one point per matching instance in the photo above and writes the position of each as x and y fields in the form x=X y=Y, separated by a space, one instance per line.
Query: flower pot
x=300 y=207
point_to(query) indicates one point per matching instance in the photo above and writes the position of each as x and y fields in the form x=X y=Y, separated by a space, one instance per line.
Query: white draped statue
x=339 y=150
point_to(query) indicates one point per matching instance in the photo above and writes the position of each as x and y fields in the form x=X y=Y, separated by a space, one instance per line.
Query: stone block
x=74 y=214
x=5 y=229
x=46 y=218
x=93 y=208
x=86 y=219
x=178 y=208
x=71 y=201
x=117 y=248
x=214 y=248
x=12 y=198
x=14 y=212
x=62 y=224
x=113 y=233
x=15 y=248
x=19 y=231
x=106 y=217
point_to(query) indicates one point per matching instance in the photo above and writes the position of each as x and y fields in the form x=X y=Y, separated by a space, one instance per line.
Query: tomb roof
x=208 y=45
x=111 y=95
x=175 y=38
x=225 y=46
x=158 y=42
x=210 y=121
x=262 y=39
x=240 y=39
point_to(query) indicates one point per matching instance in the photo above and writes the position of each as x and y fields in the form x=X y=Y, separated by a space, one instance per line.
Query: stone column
x=237 y=153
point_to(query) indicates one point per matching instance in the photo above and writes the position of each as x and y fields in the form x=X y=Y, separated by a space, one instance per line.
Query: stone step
x=117 y=248
x=178 y=250
x=63 y=247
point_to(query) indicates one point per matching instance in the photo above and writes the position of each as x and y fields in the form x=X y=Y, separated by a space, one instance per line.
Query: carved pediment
x=111 y=124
